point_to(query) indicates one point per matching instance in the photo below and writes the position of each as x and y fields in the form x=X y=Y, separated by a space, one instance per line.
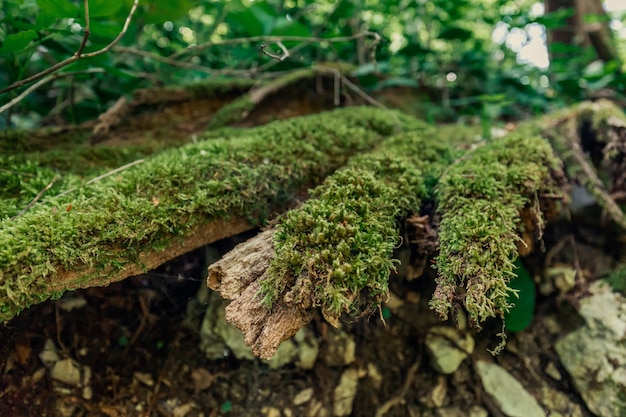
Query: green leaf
x=256 y=20
x=100 y=8
x=159 y=11
x=17 y=42
x=556 y=19
x=52 y=10
x=521 y=314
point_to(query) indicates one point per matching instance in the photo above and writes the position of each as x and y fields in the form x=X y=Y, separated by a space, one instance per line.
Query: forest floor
x=133 y=348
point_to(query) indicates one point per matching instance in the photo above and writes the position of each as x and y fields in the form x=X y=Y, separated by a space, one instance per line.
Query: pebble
x=447 y=348
x=508 y=394
x=345 y=392
x=303 y=396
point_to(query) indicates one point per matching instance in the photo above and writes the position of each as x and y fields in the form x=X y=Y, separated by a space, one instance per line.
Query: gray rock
x=345 y=392
x=447 y=348
x=508 y=394
x=595 y=354
x=66 y=371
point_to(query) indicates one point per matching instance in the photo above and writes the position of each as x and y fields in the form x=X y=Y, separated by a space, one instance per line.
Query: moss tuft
x=336 y=250
x=480 y=198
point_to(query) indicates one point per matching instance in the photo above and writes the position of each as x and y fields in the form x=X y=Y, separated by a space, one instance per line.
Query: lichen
x=335 y=251
x=480 y=200
x=108 y=223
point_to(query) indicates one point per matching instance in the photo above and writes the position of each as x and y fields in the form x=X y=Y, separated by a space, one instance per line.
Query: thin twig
x=79 y=53
x=108 y=174
x=371 y=100
x=272 y=55
x=275 y=39
x=37 y=197
x=46 y=80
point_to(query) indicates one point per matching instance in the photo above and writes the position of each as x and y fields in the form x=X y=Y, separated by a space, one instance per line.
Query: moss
x=23 y=176
x=108 y=223
x=480 y=199
x=336 y=249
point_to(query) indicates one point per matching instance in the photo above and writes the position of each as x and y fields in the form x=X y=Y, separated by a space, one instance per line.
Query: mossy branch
x=481 y=198
x=106 y=231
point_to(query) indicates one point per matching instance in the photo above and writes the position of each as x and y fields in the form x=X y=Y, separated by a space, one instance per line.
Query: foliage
x=443 y=48
x=521 y=298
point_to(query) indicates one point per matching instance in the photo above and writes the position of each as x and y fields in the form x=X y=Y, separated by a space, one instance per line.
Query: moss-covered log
x=174 y=202
x=335 y=251
x=482 y=198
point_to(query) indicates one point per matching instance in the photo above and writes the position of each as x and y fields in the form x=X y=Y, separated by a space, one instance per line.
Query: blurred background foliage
x=485 y=59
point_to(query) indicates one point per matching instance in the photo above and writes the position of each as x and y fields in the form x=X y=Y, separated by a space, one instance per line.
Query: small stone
x=447 y=348
x=374 y=374
x=182 y=410
x=49 y=353
x=144 y=378
x=270 y=411
x=553 y=372
x=303 y=396
x=71 y=303
x=345 y=392
x=508 y=394
x=66 y=371
x=87 y=393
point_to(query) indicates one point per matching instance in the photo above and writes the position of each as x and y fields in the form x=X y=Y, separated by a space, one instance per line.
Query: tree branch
x=79 y=52
x=45 y=81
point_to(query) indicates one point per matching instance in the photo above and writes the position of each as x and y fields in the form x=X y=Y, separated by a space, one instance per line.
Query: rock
x=447 y=348
x=558 y=403
x=270 y=411
x=66 y=371
x=345 y=392
x=374 y=375
x=303 y=396
x=340 y=348
x=144 y=377
x=508 y=394
x=49 y=355
x=595 y=354
x=474 y=411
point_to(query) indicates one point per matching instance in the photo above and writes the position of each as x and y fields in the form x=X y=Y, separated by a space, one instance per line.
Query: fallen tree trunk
x=494 y=200
x=175 y=202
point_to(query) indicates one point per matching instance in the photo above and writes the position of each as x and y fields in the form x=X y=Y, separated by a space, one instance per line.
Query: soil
x=140 y=340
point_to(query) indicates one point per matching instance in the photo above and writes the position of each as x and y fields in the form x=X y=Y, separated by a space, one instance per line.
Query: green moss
x=480 y=199
x=336 y=249
x=108 y=223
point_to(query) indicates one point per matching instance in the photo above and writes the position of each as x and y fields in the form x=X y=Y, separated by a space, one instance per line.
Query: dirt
x=139 y=338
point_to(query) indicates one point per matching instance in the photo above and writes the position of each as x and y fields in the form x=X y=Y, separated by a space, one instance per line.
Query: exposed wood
x=150 y=259
x=237 y=277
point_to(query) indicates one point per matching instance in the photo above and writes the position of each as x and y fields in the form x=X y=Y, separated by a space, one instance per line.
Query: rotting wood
x=237 y=277
x=203 y=235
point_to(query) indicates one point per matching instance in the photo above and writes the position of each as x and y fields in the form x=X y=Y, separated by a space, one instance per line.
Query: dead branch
x=237 y=277
x=276 y=39
x=46 y=80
